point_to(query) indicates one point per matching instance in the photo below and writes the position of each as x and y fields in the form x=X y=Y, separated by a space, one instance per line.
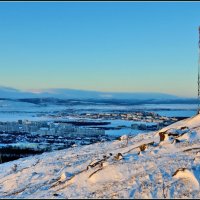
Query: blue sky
x=104 y=46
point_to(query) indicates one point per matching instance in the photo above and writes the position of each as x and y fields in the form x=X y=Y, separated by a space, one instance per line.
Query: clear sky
x=104 y=46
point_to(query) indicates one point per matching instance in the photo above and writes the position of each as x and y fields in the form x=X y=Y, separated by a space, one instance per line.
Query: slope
x=163 y=164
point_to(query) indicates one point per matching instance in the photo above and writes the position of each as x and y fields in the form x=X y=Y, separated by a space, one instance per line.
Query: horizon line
x=39 y=91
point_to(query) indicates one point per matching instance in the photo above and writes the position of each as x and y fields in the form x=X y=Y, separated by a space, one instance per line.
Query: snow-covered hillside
x=163 y=164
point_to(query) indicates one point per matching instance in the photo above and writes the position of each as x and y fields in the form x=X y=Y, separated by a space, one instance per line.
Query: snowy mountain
x=6 y=92
x=84 y=94
x=11 y=93
x=163 y=164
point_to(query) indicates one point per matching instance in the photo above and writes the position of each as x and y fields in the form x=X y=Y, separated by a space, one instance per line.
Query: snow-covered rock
x=163 y=164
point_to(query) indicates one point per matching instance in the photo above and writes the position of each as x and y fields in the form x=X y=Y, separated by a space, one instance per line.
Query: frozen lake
x=177 y=113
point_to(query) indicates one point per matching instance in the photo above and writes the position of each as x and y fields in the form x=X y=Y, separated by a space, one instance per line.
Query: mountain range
x=7 y=92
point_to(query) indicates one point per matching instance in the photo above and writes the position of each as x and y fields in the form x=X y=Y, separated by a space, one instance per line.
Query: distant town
x=134 y=116
x=23 y=137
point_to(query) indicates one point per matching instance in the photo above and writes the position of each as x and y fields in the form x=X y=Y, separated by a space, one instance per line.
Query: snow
x=161 y=164
x=187 y=176
x=13 y=110
x=192 y=123
x=122 y=132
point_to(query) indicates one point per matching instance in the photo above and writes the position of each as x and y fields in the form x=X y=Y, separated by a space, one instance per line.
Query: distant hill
x=11 y=93
x=6 y=92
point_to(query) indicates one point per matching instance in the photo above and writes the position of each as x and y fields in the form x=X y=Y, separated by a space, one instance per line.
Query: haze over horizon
x=100 y=46
x=63 y=93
